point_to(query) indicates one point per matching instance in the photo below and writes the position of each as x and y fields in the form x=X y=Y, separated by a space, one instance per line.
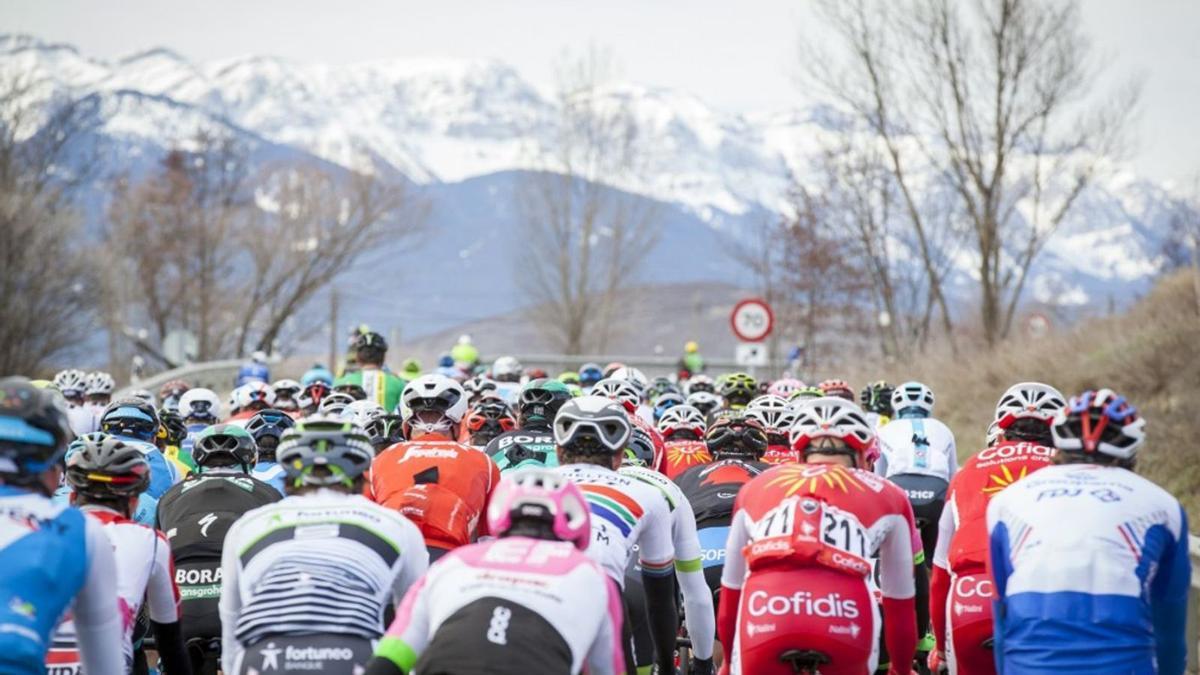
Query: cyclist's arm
x=999 y=567
x=689 y=571
x=939 y=582
x=230 y=604
x=1168 y=602
x=414 y=565
x=97 y=619
x=407 y=637
x=606 y=654
x=657 y=556
x=733 y=576
x=162 y=604
x=896 y=583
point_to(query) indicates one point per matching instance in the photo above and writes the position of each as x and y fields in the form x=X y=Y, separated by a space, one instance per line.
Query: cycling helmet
x=104 y=467
x=913 y=399
x=590 y=374
x=72 y=383
x=682 y=418
x=432 y=404
x=738 y=389
x=592 y=424
x=476 y=386
x=633 y=375
x=612 y=367
x=775 y=415
x=666 y=401
x=838 y=388
x=369 y=415
x=225 y=445
x=252 y=395
x=335 y=404
x=99 y=384
x=736 y=435
x=539 y=402
x=143 y=394
x=1099 y=422
x=784 y=386
x=506 y=369
x=318 y=373
x=625 y=392
x=661 y=385
x=131 y=417
x=323 y=451
x=34 y=431
x=314 y=393
x=410 y=368
x=544 y=495
x=838 y=419
x=640 y=451
x=569 y=377
x=370 y=347
x=286 y=388
x=354 y=391
x=487 y=419
x=995 y=434
x=200 y=404
x=701 y=382
x=877 y=398
x=1028 y=400
x=171 y=429
x=804 y=394
x=267 y=427
x=704 y=401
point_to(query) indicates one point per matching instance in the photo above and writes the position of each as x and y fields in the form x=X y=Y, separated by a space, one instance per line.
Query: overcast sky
x=739 y=56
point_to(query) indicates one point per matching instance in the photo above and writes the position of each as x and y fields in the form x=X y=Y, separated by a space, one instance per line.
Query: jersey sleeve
x=896 y=554
x=734 y=573
x=408 y=635
x=697 y=598
x=656 y=552
x=1168 y=602
x=415 y=562
x=97 y=618
x=606 y=654
x=230 y=604
x=947 y=526
x=162 y=595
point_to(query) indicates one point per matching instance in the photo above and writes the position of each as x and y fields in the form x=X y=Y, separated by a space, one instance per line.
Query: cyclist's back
x=532 y=444
x=682 y=428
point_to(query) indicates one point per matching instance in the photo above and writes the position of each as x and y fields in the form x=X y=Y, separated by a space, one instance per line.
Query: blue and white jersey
x=1092 y=573
x=270 y=473
x=917 y=446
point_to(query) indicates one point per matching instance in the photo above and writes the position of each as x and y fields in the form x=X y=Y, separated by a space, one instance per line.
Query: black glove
x=703 y=667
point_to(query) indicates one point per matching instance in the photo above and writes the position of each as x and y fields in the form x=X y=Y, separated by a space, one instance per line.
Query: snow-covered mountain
x=462 y=128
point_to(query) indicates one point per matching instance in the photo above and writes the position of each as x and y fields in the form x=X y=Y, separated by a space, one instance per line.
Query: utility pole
x=333 y=329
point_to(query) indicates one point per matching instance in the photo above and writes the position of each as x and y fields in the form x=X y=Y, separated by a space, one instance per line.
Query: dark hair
x=1031 y=430
x=534 y=528
x=599 y=458
x=1076 y=457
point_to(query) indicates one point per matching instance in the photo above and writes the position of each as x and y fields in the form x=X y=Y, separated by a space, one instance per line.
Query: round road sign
x=752 y=320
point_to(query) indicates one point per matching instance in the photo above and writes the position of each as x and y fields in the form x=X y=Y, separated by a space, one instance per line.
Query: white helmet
x=506 y=369
x=633 y=375
x=143 y=394
x=335 y=404
x=705 y=401
x=834 y=417
x=681 y=417
x=1028 y=400
x=432 y=393
x=913 y=395
x=370 y=416
x=99 y=382
x=251 y=392
x=626 y=392
x=289 y=388
x=994 y=434
x=71 y=382
x=773 y=412
x=200 y=404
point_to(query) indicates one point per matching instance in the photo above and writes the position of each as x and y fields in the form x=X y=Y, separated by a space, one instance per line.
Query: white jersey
x=917 y=446
x=145 y=573
x=322 y=563
x=84 y=419
x=625 y=512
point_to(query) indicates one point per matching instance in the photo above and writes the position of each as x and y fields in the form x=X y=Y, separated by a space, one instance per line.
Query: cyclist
x=706 y=402
x=171 y=392
x=53 y=557
x=310 y=399
x=136 y=423
x=589 y=375
x=838 y=388
x=107 y=475
x=369 y=416
x=442 y=485
x=248 y=399
x=378 y=384
x=805 y=394
x=1089 y=559
x=1023 y=417
x=736 y=444
x=318 y=373
x=267 y=428
x=488 y=417
x=876 y=401
x=691 y=363
x=467 y=616
x=506 y=373
x=326 y=554
x=682 y=429
x=287 y=394
x=476 y=387
x=784 y=387
x=630 y=394
x=199 y=408
x=72 y=384
x=700 y=382
x=737 y=390
x=335 y=403
x=254 y=370
x=531 y=444
x=776 y=416
x=410 y=369
x=172 y=432
x=197 y=514
x=797 y=572
x=98 y=389
x=664 y=402
x=591 y=433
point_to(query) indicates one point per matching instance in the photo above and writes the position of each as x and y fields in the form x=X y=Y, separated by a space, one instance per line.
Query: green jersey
x=381 y=386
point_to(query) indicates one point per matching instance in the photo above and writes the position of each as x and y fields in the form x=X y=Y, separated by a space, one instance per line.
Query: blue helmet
x=34 y=431
x=130 y=418
x=318 y=373
x=590 y=374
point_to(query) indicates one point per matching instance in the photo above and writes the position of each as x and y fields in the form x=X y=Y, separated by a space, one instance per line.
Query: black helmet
x=132 y=417
x=34 y=431
x=323 y=451
x=540 y=400
x=102 y=466
x=641 y=447
x=225 y=442
x=877 y=398
x=171 y=428
x=592 y=424
x=267 y=427
x=734 y=434
x=370 y=346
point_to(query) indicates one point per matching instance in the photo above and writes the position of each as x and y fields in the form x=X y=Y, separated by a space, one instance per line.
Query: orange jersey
x=442 y=486
x=683 y=455
x=983 y=476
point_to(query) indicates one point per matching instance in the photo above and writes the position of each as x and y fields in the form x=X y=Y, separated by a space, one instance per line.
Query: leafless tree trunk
x=990 y=97
x=588 y=237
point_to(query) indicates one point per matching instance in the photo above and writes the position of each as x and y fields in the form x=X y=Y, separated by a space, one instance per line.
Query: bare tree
x=46 y=287
x=588 y=237
x=994 y=97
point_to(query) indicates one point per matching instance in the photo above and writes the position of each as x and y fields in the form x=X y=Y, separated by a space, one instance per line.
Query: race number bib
x=805 y=531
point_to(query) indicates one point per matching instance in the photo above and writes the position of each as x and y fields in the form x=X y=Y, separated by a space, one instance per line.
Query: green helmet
x=225 y=441
x=569 y=377
x=324 y=451
x=410 y=369
x=540 y=400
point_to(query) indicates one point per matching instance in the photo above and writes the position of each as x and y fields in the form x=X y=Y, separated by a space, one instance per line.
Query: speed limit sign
x=752 y=320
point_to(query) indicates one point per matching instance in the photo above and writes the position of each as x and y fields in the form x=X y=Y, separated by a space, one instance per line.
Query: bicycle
x=805 y=661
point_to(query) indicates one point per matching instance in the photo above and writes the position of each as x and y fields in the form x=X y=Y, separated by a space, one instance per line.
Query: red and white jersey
x=683 y=455
x=781 y=454
x=823 y=514
x=962 y=531
x=660 y=448
x=145 y=574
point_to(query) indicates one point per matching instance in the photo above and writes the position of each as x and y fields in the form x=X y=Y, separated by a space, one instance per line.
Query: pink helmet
x=785 y=387
x=542 y=494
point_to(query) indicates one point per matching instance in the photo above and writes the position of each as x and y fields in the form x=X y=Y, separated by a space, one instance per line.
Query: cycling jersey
x=1092 y=573
x=689 y=571
x=683 y=455
x=917 y=446
x=656 y=439
x=196 y=515
x=252 y=372
x=522 y=449
x=798 y=561
x=626 y=513
x=318 y=563
x=443 y=486
x=84 y=419
x=270 y=473
x=144 y=573
x=54 y=558
x=509 y=606
x=381 y=386
x=180 y=458
x=781 y=454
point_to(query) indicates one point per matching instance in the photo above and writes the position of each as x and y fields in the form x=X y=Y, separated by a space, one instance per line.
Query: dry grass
x=1150 y=354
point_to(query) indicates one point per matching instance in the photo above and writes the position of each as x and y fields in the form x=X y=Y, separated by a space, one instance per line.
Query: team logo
x=830 y=605
x=997 y=482
x=813 y=479
x=205 y=522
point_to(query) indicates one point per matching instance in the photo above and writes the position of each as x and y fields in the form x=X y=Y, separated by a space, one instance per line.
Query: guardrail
x=215 y=375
